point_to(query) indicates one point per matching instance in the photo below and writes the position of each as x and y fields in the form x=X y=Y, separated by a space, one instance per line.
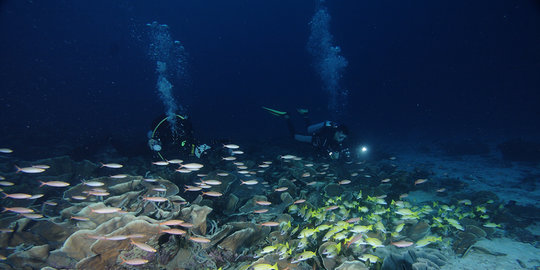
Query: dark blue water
x=73 y=73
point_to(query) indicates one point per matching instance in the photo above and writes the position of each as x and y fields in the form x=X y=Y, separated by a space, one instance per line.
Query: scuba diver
x=326 y=137
x=165 y=141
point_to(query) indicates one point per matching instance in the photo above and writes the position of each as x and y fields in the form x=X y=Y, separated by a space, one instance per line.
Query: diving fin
x=274 y=112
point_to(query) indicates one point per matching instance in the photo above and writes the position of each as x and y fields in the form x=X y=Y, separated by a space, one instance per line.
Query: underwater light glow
x=362 y=151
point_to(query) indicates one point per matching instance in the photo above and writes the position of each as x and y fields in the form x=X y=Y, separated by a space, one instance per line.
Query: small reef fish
x=17 y=195
x=79 y=218
x=161 y=163
x=265 y=266
x=119 y=237
x=231 y=146
x=200 y=239
x=6 y=150
x=6 y=183
x=353 y=240
x=332 y=250
x=93 y=183
x=260 y=211
x=53 y=184
x=172 y=222
x=191 y=166
x=427 y=240
x=192 y=188
x=134 y=261
x=353 y=220
x=249 y=182
x=331 y=207
x=455 y=224
x=118 y=176
x=299 y=201
x=112 y=165
x=369 y=257
x=420 y=181
x=265 y=203
x=307 y=232
x=175 y=161
x=306 y=255
x=174 y=231
x=402 y=244
x=19 y=210
x=491 y=225
x=32 y=216
x=155 y=199
x=212 y=194
x=212 y=182
x=29 y=169
x=98 y=193
x=375 y=242
x=399 y=227
x=270 y=224
x=186 y=225
x=281 y=189
x=106 y=210
x=344 y=182
x=143 y=246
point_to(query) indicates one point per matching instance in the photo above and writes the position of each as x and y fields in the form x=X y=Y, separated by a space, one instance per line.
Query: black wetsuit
x=321 y=137
x=180 y=142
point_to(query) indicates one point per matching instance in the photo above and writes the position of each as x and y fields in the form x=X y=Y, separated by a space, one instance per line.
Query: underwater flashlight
x=362 y=151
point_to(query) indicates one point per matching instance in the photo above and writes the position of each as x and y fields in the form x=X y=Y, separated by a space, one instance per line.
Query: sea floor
x=497 y=253
x=410 y=207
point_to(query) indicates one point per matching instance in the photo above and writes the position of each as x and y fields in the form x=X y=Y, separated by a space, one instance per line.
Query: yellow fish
x=265 y=266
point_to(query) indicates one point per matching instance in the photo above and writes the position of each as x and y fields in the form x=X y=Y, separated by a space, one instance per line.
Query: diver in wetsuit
x=326 y=137
x=166 y=141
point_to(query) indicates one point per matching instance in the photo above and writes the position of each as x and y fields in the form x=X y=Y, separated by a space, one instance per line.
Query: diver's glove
x=199 y=150
x=154 y=145
x=330 y=124
x=334 y=155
